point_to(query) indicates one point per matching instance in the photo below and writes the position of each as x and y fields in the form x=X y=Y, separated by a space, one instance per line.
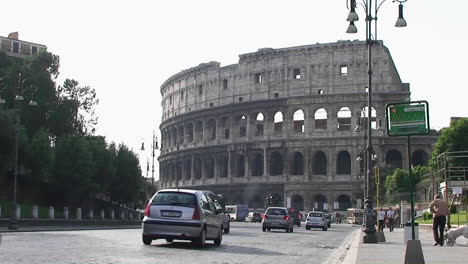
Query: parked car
x=328 y=218
x=182 y=214
x=296 y=216
x=254 y=217
x=219 y=199
x=277 y=218
x=316 y=219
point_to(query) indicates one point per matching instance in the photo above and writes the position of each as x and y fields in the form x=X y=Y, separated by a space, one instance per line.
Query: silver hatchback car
x=277 y=218
x=182 y=214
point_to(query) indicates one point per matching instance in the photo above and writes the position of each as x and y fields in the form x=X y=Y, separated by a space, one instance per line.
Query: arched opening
x=298 y=121
x=364 y=114
x=240 y=165
x=190 y=132
x=320 y=118
x=319 y=166
x=174 y=136
x=242 y=126
x=223 y=166
x=259 y=127
x=197 y=168
x=344 y=202
x=256 y=202
x=297 y=202
x=209 y=167
x=319 y=202
x=276 y=164
x=211 y=129
x=178 y=168
x=181 y=135
x=297 y=167
x=225 y=125
x=344 y=119
x=343 y=164
x=278 y=122
x=393 y=159
x=172 y=168
x=199 y=130
x=188 y=169
x=419 y=157
x=257 y=165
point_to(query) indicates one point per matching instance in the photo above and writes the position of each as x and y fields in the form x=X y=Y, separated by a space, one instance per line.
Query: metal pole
x=13 y=225
x=152 y=165
x=413 y=236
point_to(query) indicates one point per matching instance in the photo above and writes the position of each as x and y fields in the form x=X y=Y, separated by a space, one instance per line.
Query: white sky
x=127 y=49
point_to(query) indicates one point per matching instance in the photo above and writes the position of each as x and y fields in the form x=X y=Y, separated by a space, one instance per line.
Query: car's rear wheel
x=226 y=230
x=287 y=230
x=218 y=240
x=307 y=228
x=147 y=240
x=200 y=241
x=299 y=225
x=169 y=240
x=264 y=229
x=324 y=228
x=269 y=229
x=291 y=230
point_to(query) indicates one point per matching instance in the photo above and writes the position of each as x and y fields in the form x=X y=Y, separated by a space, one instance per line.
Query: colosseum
x=283 y=123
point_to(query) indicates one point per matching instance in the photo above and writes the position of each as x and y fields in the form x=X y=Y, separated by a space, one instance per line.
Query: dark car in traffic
x=296 y=216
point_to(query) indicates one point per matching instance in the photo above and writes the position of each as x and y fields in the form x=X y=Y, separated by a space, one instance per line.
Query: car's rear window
x=175 y=198
x=276 y=211
x=315 y=214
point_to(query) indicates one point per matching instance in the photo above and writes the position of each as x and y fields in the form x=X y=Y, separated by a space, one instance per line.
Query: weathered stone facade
x=282 y=122
x=19 y=48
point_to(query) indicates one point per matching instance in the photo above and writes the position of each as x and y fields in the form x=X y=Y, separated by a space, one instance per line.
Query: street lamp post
x=154 y=147
x=13 y=224
x=369 y=229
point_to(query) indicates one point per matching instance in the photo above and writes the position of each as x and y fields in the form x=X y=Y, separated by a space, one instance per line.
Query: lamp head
x=19 y=98
x=2 y=101
x=351 y=28
x=401 y=22
x=33 y=103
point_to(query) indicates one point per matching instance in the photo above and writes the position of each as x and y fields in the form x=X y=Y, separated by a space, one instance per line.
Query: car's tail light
x=148 y=209
x=196 y=214
x=265 y=216
x=287 y=218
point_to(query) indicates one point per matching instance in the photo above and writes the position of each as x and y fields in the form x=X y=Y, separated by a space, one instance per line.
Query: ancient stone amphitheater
x=282 y=123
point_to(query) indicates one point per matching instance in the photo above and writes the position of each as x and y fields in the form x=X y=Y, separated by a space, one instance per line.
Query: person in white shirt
x=391 y=218
x=381 y=217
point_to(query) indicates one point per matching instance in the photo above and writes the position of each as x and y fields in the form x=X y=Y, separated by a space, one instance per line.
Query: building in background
x=287 y=124
x=19 y=48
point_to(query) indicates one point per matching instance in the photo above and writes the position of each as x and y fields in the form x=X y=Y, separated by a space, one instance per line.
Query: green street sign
x=408 y=118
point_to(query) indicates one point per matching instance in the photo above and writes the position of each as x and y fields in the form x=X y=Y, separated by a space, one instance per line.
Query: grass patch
x=461 y=218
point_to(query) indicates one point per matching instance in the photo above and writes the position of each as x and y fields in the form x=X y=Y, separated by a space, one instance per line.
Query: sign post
x=407 y=119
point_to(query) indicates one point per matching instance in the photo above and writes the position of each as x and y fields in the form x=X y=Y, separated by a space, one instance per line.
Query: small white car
x=316 y=219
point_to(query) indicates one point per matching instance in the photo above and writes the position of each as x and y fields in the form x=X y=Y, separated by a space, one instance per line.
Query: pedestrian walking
x=338 y=217
x=381 y=217
x=391 y=218
x=440 y=209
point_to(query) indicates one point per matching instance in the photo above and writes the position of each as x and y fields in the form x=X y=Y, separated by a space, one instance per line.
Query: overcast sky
x=126 y=49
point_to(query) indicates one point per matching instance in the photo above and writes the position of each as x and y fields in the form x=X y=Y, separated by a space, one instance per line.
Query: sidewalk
x=393 y=250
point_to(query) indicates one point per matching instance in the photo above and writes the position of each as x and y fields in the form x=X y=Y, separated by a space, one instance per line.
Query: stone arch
x=239 y=165
x=298 y=121
x=209 y=167
x=174 y=136
x=223 y=166
x=178 y=170
x=321 y=117
x=343 y=163
x=419 y=157
x=344 y=119
x=297 y=202
x=199 y=130
x=257 y=165
x=172 y=169
x=276 y=163
x=259 y=124
x=278 y=122
x=225 y=125
x=319 y=163
x=297 y=163
x=344 y=202
x=393 y=159
x=319 y=202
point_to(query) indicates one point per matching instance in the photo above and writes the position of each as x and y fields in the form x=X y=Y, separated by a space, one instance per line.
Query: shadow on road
x=225 y=248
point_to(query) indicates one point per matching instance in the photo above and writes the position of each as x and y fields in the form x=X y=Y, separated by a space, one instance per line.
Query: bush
x=427 y=216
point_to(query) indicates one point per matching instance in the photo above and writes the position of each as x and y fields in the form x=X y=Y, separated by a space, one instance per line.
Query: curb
x=61 y=229
x=351 y=255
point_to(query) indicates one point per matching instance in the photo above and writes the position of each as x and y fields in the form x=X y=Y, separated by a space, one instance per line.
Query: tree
x=41 y=156
x=452 y=139
x=84 y=102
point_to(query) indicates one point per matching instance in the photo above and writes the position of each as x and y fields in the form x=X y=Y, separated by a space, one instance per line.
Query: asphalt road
x=246 y=243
